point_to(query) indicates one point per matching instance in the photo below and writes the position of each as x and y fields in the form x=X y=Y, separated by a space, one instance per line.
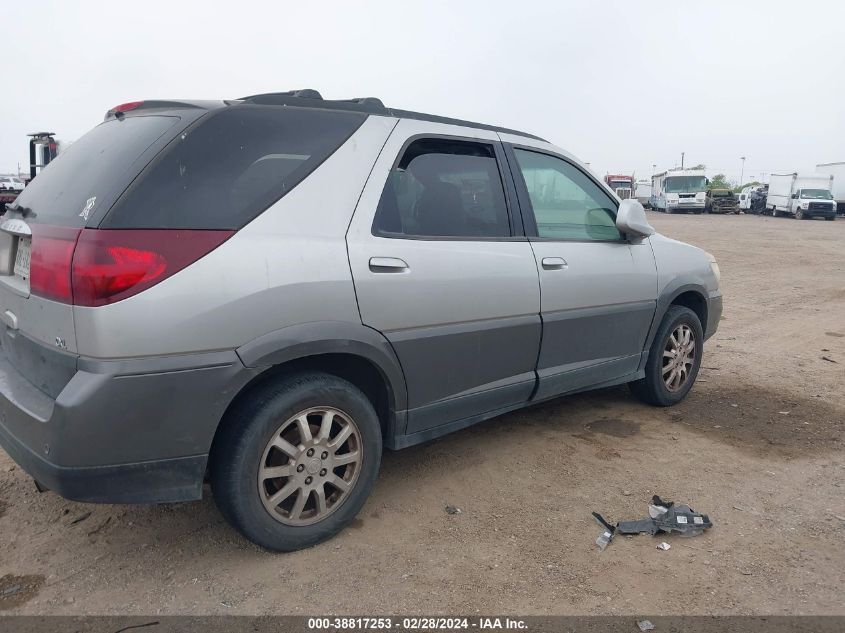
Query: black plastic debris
x=664 y=517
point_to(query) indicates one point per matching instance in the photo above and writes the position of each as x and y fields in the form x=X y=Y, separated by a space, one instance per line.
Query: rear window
x=83 y=175
x=231 y=166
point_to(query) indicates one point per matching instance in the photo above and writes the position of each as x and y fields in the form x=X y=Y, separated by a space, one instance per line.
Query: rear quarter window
x=230 y=166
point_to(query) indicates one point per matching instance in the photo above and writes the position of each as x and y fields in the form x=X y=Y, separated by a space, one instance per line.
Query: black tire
x=239 y=449
x=830 y=218
x=651 y=388
x=799 y=215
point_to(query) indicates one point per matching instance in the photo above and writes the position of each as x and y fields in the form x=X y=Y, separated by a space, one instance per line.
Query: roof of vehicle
x=680 y=172
x=306 y=98
x=309 y=98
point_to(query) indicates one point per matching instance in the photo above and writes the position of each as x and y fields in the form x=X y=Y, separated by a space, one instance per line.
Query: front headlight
x=715 y=268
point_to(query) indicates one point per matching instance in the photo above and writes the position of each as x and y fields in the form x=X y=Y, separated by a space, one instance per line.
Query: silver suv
x=262 y=293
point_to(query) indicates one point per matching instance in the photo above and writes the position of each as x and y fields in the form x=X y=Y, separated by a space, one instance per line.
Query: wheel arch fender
x=319 y=338
x=668 y=296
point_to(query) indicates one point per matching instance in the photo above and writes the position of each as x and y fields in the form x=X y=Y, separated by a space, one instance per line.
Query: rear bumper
x=134 y=431
x=157 y=481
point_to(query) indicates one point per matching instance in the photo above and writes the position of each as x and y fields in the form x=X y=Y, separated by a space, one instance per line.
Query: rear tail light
x=110 y=265
x=50 y=261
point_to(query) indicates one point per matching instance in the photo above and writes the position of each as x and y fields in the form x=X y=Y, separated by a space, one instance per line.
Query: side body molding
x=329 y=337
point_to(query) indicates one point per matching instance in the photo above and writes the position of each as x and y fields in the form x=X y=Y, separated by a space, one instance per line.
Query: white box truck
x=679 y=190
x=801 y=195
x=837 y=170
x=642 y=192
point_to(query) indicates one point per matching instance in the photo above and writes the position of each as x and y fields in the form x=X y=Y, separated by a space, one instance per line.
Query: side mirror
x=795 y=196
x=631 y=219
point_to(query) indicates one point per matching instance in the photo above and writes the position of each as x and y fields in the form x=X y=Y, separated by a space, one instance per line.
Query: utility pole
x=742 y=172
x=682 y=160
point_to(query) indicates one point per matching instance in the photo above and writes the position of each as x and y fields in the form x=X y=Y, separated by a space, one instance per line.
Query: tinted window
x=89 y=168
x=230 y=167
x=444 y=188
x=567 y=204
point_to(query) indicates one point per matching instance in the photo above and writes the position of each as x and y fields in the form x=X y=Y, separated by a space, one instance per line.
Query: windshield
x=816 y=194
x=615 y=184
x=684 y=184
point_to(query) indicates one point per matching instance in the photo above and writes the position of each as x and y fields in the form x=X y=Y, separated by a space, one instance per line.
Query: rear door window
x=232 y=165
x=444 y=188
x=67 y=191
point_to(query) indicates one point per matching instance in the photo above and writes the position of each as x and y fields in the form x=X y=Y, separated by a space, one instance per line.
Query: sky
x=622 y=85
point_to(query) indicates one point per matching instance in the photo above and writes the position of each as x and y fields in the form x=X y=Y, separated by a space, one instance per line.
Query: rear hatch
x=40 y=230
x=143 y=195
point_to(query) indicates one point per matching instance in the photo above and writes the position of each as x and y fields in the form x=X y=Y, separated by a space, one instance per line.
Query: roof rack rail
x=310 y=98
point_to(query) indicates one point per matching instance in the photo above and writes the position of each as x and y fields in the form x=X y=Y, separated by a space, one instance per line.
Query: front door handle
x=555 y=263
x=388 y=265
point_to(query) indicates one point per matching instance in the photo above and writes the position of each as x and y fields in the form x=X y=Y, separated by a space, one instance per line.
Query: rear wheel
x=673 y=359
x=295 y=460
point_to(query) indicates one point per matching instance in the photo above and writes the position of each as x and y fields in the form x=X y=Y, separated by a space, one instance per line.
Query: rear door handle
x=555 y=263
x=388 y=265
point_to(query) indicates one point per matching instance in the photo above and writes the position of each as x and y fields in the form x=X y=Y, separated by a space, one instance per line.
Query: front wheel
x=799 y=214
x=295 y=460
x=673 y=359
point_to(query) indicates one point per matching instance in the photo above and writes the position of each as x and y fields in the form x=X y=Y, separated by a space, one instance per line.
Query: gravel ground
x=757 y=445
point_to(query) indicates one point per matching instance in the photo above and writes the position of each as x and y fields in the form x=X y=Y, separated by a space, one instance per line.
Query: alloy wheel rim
x=310 y=465
x=678 y=357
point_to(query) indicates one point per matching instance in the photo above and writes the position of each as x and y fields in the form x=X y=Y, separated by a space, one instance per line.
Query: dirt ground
x=757 y=445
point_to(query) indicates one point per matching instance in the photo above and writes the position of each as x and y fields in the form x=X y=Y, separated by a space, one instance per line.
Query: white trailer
x=679 y=190
x=837 y=170
x=642 y=192
x=801 y=195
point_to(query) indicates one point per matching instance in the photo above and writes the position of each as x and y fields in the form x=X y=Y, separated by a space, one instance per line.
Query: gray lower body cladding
x=714 y=315
x=139 y=431
x=121 y=431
